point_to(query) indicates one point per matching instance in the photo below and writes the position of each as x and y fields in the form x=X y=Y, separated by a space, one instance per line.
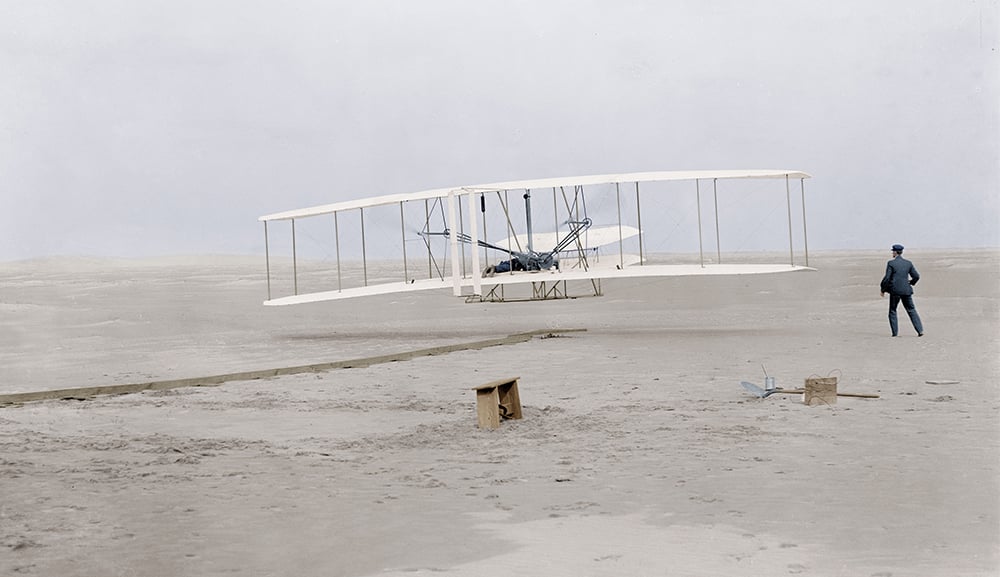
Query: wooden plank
x=488 y=408
x=496 y=383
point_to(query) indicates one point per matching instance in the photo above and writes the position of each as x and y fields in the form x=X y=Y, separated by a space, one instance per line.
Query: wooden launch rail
x=801 y=391
x=215 y=380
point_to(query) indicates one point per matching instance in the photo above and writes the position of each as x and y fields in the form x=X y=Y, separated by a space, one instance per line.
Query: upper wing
x=568 y=181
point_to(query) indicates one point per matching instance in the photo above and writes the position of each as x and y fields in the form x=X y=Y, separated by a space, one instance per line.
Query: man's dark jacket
x=900 y=276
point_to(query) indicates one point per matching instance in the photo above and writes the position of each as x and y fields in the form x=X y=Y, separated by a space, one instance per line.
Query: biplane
x=439 y=239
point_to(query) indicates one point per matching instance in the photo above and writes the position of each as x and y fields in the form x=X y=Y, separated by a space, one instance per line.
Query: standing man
x=900 y=276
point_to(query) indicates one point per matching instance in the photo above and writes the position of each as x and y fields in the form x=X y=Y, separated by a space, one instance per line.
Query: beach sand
x=638 y=454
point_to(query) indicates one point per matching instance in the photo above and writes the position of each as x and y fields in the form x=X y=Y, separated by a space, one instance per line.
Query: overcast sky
x=140 y=128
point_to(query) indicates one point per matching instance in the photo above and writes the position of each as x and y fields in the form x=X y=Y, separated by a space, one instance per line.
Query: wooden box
x=821 y=391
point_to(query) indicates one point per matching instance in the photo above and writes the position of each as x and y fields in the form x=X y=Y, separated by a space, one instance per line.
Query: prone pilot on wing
x=523 y=262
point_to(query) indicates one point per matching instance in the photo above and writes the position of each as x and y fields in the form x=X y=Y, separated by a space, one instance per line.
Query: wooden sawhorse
x=495 y=400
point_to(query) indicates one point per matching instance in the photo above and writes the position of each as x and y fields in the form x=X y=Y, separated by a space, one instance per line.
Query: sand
x=638 y=454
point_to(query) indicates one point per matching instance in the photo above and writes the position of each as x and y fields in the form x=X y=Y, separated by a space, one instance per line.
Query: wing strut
x=621 y=241
x=701 y=244
x=638 y=214
x=456 y=279
x=430 y=257
x=295 y=261
x=482 y=208
x=527 y=216
x=477 y=286
x=461 y=229
x=402 y=232
x=364 y=248
x=805 y=233
x=718 y=242
x=788 y=203
x=267 y=260
x=555 y=211
x=336 y=236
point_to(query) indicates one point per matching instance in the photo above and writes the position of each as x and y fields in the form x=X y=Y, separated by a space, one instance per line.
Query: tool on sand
x=769 y=384
x=759 y=392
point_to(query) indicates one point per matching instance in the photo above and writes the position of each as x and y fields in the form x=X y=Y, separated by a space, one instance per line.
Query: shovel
x=757 y=391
